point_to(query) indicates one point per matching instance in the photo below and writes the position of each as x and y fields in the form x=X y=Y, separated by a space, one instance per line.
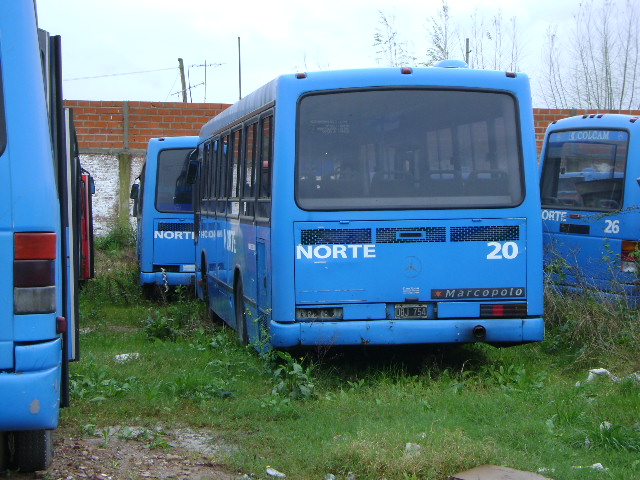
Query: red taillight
x=34 y=272
x=503 y=310
x=34 y=246
x=629 y=256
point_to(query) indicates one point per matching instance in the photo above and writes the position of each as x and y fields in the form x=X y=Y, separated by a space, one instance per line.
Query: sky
x=105 y=43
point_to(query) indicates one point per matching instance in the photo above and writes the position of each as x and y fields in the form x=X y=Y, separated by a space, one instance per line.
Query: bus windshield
x=584 y=170
x=408 y=149
x=173 y=193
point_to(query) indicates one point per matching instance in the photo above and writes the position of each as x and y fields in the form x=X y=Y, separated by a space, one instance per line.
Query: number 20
x=508 y=250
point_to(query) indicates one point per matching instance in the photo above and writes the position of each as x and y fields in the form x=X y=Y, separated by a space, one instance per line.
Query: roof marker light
x=301 y=75
x=633 y=120
x=511 y=74
x=406 y=70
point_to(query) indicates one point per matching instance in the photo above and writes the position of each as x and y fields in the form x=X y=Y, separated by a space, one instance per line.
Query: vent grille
x=485 y=234
x=175 y=227
x=411 y=235
x=335 y=236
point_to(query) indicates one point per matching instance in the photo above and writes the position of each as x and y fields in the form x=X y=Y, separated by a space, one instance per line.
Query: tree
x=391 y=51
x=597 y=67
x=440 y=31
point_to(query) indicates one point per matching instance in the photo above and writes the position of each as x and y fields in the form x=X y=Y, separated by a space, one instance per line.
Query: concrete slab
x=493 y=472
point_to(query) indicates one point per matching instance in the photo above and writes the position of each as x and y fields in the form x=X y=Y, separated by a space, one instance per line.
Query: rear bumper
x=401 y=332
x=30 y=400
x=172 y=278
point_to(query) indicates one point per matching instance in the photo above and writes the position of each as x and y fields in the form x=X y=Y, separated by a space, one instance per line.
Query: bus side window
x=266 y=167
x=221 y=183
x=247 y=206
x=235 y=173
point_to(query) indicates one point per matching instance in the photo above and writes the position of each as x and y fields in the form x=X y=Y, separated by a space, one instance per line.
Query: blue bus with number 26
x=373 y=206
x=590 y=197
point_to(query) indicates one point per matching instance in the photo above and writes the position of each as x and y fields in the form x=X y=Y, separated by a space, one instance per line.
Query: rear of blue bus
x=163 y=203
x=413 y=211
x=31 y=264
x=590 y=197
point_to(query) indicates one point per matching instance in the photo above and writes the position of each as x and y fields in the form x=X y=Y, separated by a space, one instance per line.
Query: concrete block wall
x=107 y=130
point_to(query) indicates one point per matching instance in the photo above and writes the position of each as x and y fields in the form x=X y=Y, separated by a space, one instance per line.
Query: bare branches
x=600 y=64
x=390 y=49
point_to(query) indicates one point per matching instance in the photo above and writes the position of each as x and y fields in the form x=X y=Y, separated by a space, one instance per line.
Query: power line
x=119 y=74
x=139 y=72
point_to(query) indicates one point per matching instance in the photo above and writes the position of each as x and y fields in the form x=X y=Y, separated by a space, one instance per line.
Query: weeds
x=121 y=237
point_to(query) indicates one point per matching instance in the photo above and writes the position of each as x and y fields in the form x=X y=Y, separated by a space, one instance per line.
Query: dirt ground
x=186 y=455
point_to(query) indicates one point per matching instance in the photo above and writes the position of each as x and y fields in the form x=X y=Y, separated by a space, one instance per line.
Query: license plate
x=411 y=310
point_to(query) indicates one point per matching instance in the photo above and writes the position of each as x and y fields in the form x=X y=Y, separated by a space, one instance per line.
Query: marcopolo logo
x=323 y=252
x=491 y=292
x=170 y=235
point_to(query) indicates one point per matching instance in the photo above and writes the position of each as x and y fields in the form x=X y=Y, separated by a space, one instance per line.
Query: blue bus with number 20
x=373 y=206
x=590 y=197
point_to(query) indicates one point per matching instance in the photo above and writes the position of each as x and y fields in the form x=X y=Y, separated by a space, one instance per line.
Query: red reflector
x=301 y=75
x=61 y=325
x=575 y=215
x=633 y=120
x=511 y=74
x=406 y=70
x=34 y=246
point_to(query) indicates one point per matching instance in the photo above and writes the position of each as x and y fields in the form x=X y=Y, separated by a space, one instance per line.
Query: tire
x=241 y=317
x=32 y=450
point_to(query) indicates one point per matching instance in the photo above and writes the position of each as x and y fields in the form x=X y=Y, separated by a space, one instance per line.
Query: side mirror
x=135 y=191
x=192 y=171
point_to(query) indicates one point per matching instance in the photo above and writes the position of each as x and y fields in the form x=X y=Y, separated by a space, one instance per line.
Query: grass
x=402 y=413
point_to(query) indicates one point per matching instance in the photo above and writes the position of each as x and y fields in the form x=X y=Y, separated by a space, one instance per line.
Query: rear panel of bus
x=31 y=240
x=589 y=194
x=165 y=214
x=408 y=212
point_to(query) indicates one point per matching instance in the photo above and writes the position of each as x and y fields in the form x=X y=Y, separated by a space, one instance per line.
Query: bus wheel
x=241 y=317
x=31 y=450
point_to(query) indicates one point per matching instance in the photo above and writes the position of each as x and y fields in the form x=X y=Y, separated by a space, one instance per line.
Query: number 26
x=612 y=226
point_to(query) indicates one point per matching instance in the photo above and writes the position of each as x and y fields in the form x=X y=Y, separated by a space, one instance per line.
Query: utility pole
x=467 y=52
x=239 y=73
x=184 y=84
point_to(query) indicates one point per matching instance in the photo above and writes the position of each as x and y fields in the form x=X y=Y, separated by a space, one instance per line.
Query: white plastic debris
x=596 y=372
x=595 y=466
x=329 y=476
x=126 y=357
x=412 y=448
x=272 y=472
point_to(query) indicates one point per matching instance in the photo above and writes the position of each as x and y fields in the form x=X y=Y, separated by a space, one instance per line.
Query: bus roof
x=445 y=76
x=595 y=120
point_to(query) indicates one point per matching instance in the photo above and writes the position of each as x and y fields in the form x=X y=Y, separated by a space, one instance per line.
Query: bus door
x=590 y=231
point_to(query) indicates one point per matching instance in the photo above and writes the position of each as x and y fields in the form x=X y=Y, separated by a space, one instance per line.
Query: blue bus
x=164 y=212
x=41 y=237
x=590 y=197
x=373 y=206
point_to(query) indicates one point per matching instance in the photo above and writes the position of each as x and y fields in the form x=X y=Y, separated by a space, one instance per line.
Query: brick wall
x=108 y=129
x=129 y=125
